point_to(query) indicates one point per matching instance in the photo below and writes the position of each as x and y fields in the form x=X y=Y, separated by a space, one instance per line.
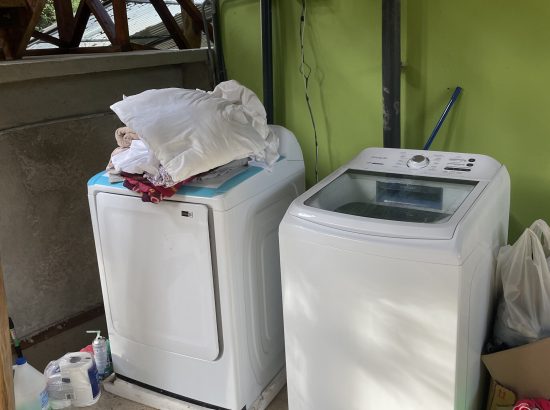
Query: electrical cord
x=210 y=59
x=305 y=70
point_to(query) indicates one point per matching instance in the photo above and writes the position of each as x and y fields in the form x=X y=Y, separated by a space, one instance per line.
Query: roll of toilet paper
x=80 y=368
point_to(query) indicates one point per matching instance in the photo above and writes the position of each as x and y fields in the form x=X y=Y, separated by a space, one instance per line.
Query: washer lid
x=389 y=204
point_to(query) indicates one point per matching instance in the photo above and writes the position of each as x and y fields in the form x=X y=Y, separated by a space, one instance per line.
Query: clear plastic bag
x=60 y=390
x=523 y=314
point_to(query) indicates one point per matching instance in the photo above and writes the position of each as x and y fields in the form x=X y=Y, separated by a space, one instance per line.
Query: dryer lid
x=390 y=204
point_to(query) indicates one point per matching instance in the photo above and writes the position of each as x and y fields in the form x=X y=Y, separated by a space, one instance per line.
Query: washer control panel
x=428 y=163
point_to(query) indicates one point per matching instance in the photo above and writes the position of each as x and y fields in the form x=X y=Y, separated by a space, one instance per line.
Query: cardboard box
x=523 y=369
x=500 y=398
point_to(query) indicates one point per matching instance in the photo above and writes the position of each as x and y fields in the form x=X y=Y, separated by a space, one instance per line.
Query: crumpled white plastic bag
x=192 y=131
x=136 y=160
x=237 y=94
x=523 y=314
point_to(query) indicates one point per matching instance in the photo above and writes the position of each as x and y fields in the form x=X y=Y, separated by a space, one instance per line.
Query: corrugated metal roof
x=144 y=24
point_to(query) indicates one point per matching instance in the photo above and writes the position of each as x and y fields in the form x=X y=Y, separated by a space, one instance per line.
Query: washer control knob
x=418 y=161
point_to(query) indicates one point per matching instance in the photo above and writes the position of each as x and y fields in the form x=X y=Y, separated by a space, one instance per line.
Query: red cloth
x=149 y=192
x=531 y=404
x=88 y=349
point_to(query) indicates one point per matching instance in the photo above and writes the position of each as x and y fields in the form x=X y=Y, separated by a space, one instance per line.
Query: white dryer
x=191 y=286
x=387 y=268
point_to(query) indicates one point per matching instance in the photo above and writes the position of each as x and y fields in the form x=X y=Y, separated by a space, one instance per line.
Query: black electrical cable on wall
x=214 y=80
x=305 y=70
x=391 y=72
x=267 y=58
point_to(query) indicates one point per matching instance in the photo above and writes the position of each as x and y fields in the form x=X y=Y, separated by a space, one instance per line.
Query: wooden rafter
x=14 y=22
x=80 y=21
x=196 y=15
x=74 y=50
x=18 y=20
x=122 y=34
x=17 y=24
x=48 y=39
x=13 y=3
x=170 y=23
x=103 y=18
x=84 y=50
x=65 y=19
x=191 y=29
x=141 y=47
x=36 y=7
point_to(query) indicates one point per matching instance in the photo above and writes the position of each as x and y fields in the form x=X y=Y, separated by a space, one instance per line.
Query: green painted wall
x=498 y=51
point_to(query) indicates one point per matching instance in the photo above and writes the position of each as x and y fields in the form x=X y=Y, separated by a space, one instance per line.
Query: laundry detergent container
x=387 y=269
x=191 y=285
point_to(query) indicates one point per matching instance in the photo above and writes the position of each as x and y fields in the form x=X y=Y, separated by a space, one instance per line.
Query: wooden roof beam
x=103 y=18
x=65 y=20
x=80 y=21
x=122 y=34
x=75 y=50
x=12 y=3
x=36 y=7
x=48 y=39
x=170 y=23
x=196 y=16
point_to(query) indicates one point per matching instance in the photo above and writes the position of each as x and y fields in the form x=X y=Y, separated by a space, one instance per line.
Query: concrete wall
x=55 y=132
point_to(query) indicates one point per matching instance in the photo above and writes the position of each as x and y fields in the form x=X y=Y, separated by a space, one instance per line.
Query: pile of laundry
x=174 y=135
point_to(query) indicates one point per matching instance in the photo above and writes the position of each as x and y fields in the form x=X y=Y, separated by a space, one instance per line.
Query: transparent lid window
x=393 y=197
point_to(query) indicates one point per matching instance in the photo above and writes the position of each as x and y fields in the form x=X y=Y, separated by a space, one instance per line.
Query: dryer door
x=158 y=274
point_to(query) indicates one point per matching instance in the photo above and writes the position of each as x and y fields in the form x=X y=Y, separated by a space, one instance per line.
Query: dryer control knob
x=418 y=161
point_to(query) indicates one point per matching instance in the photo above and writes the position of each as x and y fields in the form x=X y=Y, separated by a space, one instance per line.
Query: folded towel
x=124 y=136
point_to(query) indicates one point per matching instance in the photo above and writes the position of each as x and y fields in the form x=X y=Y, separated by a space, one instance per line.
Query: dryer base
x=130 y=391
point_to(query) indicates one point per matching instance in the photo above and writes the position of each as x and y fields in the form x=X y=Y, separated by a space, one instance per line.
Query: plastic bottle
x=101 y=354
x=14 y=339
x=30 y=387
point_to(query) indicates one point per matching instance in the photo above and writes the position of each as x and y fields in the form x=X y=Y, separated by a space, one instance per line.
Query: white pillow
x=192 y=131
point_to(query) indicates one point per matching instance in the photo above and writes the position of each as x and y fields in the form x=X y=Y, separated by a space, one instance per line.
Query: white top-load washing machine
x=387 y=268
x=191 y=286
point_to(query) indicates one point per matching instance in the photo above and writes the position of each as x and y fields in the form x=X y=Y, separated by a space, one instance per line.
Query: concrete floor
x=75 y=339
x=71 y=340
x=108 y=401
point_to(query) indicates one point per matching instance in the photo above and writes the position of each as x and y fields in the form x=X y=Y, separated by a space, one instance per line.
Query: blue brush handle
x=442 y=118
